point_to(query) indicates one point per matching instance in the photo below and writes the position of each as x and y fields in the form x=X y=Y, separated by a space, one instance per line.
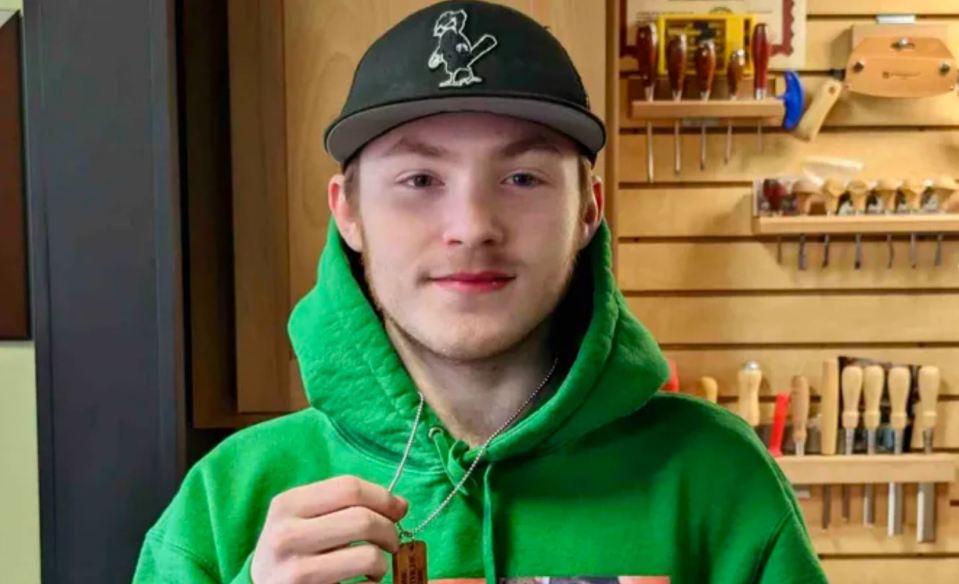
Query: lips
x=474 y=282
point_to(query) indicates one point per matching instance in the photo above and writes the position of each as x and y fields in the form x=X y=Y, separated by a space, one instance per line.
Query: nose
x=472 y=219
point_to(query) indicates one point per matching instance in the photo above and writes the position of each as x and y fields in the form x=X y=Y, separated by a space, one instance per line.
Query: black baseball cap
x=464 y=56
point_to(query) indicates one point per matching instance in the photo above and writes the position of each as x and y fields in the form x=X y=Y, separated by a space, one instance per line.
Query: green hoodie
x=608 y=478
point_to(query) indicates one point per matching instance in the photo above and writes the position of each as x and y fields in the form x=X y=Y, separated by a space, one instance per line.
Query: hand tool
x=858 y=193
x=705 y=61
x=775 y=191
x=888 y=191
x=874 y=378
x=647 y=55
x=834 y=188
x=800 y=412
x=750 y=376
x=779 y=424
x=709 y=389
x=829 y=414
x=760 y=55
x=804 y=189
x=672 y=384
x=899 y=383
x=944 y=188
x=926 y=422
x=734 y=75
x=676 y=66
x=851 y=393
x=912 y=191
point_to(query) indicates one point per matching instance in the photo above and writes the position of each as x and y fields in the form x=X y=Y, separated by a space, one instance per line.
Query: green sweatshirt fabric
x=608 y=478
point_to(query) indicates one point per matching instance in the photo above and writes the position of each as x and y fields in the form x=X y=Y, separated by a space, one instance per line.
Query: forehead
x=457 y=135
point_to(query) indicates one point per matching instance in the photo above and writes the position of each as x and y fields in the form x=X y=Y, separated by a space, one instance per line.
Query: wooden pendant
x=409 y=563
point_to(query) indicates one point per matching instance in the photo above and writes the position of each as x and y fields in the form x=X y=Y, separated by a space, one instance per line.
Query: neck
x=474 y=398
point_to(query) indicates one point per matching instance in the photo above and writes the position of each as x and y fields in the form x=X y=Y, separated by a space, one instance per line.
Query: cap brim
x=346 y=136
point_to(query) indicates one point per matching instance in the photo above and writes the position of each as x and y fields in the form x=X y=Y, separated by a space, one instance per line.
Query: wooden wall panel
x=919 y=155
x=752 y=265
x=892 y=570
x=870 y=7
x=774 y=319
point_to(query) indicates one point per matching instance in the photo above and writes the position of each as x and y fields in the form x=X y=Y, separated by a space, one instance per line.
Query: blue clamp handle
x=794 y=100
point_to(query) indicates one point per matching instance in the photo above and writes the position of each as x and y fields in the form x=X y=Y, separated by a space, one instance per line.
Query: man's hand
x=308 y=531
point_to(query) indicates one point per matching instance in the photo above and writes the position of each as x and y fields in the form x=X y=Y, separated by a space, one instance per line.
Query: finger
x=359 y=561
x=337 y=530
x=329 y=496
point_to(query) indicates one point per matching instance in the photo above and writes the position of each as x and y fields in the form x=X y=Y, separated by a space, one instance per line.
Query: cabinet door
x=291 y=64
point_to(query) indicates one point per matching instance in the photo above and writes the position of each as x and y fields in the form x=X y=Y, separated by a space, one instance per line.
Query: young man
x=482 y=403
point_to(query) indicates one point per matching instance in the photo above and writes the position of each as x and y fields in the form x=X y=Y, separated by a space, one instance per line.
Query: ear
x=345 y=213
x=593 y=212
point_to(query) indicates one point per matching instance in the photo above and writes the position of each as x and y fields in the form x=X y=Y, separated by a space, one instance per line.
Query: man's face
x=469 y=225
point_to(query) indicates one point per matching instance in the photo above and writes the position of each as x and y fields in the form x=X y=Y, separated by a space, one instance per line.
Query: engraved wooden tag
x=409 y=563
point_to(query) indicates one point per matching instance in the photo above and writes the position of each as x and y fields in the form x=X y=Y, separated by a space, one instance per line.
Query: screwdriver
x=873 y=379
x=647 y=55
x=705 y=62
x=676 y=67
x=929 y=380
x=913 y=190
x=800 y=412
x=760 y=50
x=899 y=383
x=734 y=75
x=858 y=194
x=851 y=393
x=888 y=190
x=833 y=189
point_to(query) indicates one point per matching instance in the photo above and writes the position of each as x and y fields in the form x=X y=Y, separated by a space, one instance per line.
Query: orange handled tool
x=779 y=424
x=676 y=67
x=705 y=61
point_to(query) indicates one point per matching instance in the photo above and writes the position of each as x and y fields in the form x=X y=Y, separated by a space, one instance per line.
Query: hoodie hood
x=353 y=375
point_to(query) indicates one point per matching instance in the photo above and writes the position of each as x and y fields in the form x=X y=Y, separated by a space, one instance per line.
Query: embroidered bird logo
x=455 y=51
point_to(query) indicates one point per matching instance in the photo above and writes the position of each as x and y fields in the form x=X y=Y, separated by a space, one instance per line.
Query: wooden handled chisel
x=800 y=412
x=874 y=378
x=750 y=377
x=925 y=422
x=829 y=426
x=734 y=75
x=851 y=394
x=709 y=389
x=705 y=61
x=647 y=57
x=899 y=381
x=676 y=54
x=761 y=50
x=888 y=192
x=858 y=194
x=912 y=191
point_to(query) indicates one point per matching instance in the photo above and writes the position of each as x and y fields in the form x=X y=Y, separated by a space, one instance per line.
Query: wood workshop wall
x=714 y=295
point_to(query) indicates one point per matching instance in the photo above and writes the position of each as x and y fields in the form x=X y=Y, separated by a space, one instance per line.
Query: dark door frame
x=105 y=254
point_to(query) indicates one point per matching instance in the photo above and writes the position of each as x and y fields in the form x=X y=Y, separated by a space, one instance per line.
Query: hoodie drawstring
x=489 y=504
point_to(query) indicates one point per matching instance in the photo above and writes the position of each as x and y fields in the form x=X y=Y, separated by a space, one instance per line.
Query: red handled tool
x=760 y=54
x=779 y=424
x=647 y=55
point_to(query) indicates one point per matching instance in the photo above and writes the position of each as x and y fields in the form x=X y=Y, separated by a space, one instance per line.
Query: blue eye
x=523 y=179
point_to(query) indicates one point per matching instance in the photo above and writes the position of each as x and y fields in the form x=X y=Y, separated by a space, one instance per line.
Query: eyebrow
x=537 y=143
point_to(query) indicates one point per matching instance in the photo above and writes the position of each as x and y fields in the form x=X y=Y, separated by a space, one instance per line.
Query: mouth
x=474 y=282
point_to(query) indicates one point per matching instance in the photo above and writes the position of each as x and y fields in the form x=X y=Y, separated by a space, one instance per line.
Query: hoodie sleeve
x=166 y=563
x=790 y=558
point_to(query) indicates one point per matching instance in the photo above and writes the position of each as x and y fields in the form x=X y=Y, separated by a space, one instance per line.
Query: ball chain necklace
x=409 y=562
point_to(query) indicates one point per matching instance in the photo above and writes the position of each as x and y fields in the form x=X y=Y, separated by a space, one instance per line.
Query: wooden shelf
x=766 y=109
x=859 y=469
x=854 y=539
x=852 y=224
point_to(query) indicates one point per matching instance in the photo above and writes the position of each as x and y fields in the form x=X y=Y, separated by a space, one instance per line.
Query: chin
x=466 y=341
